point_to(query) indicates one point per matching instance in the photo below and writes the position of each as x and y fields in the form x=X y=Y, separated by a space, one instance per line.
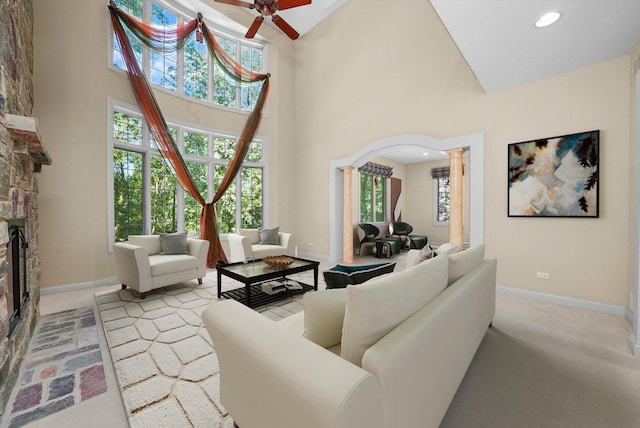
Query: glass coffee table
x=257 y=274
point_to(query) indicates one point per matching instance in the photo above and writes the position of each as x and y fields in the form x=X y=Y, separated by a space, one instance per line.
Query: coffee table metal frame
x=254 y=273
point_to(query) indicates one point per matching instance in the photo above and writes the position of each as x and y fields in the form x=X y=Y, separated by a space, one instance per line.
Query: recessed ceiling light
x=425 y=154
x=547 y=19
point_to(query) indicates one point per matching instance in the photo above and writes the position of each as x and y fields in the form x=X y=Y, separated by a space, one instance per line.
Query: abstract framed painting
x=555 y=177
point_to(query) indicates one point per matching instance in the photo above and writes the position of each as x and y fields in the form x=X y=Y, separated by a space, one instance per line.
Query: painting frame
x=555 y=177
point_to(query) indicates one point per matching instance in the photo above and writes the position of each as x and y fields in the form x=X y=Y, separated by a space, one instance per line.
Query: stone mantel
x=24 y=129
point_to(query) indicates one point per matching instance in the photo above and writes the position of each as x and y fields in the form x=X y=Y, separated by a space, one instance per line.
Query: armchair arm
x=133 y=266
x=287 y=241
x=272 y=377
x=239 y=248
x=199 y=248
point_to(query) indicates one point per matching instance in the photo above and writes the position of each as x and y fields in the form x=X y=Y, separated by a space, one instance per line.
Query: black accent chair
x=404 y=229
x=371 y=233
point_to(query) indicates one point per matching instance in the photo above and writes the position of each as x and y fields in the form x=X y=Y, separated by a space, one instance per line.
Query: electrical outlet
x=542 y=275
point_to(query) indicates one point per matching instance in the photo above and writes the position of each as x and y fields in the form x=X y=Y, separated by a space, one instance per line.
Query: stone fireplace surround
x=21 y=156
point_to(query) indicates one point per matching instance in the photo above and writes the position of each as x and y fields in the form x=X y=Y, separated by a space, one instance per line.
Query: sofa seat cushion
x=260 y=250
x=166 y=264
x=324 y=315
x=378 y=306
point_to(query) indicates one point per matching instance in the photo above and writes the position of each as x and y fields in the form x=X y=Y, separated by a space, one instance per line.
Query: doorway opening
x=473 y=142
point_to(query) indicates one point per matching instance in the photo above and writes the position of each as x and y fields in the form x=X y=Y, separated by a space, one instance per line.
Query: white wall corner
x=634 y=345
x=79 y=285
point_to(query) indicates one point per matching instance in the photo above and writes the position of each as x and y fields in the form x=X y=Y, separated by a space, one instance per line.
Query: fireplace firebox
x=17 y=272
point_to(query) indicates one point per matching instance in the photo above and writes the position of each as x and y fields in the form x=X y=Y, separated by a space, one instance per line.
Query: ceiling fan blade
x=254 y=27
x=237 y=3
x=285 y=27
x=288 y=4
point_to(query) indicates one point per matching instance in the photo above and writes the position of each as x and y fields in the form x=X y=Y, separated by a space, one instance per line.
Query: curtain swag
x=376 y=169
x=169 y=40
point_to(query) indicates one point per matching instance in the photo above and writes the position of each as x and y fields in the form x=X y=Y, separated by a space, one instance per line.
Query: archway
x=473 y=142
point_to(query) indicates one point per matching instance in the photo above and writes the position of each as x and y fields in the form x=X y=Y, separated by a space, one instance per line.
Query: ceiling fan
x=269 y=8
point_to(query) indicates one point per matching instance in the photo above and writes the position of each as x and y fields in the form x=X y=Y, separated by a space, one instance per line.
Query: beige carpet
x=541 y=365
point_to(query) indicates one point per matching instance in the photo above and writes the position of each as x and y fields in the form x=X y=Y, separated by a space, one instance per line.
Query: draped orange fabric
x=167 y=40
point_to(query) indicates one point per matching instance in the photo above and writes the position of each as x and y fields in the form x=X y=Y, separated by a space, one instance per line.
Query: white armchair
x=143 y=265
x=246 y=245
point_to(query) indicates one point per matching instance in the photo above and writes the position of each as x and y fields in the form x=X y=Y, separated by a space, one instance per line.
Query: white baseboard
x=569 y=301
x=313 y=256
x=634 y=344
x=78 y=285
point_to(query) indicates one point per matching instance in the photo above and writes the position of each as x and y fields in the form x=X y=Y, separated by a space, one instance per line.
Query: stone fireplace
x=21 y=156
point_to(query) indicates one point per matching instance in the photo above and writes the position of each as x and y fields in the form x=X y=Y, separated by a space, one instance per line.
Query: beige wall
x=72 y=83
x=358 y=77
x=633 y=167
x=362 y=75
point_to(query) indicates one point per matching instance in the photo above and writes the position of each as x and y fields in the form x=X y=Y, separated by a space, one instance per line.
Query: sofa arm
x=199 y=248
x=239 y=248
x=132 y=263
x=287 y=241
x=272 y=377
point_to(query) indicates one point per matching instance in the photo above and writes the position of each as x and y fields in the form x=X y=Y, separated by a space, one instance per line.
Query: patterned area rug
x=164 y=361
x=63 y=367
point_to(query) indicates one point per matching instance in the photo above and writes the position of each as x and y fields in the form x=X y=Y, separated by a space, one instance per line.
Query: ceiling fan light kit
x=269 y=8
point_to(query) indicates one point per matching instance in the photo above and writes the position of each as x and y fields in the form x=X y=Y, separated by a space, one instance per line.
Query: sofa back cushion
x=463 y=262
x=378 y=306
x=252 y=234
x=151 y=243
x=324 y=315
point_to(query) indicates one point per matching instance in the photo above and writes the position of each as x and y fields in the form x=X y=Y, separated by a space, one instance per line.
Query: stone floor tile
x=41 y=412
x=28 y=397
x=83 y=360
x=61 y=386
x=92 y=381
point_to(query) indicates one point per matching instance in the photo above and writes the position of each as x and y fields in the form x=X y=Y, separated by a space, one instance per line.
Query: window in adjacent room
x=441 y=196
x=146 y=195
x=373 y=192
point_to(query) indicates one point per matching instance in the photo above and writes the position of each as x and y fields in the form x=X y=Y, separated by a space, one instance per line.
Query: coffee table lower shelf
x=260 y=298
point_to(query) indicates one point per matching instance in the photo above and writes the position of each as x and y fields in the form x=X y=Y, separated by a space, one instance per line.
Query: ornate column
x=347 y=215
x=456 y=188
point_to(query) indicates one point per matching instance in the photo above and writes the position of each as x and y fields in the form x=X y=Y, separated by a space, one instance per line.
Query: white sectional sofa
x=390 y=352
x=143 y=265
x=247 y=245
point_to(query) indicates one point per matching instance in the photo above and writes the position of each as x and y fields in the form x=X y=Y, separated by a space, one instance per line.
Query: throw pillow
x=464 y=262
x=447 y=248
x=378 y=306
x=174 y=243
x=270 y=236
x=425 y=253
x=324 y=315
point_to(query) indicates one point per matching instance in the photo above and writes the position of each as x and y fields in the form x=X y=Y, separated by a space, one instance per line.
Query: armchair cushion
x=252 y=234
x=174 y=243
x=269 y=236
x=377 y=307
x=324 y=316
x=150 y=243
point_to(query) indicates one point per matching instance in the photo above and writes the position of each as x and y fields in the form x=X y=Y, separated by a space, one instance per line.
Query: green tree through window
x=372 y=197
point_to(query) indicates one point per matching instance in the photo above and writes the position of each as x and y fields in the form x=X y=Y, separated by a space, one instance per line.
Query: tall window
x=146 y=195
x=189 y=72
x=441 y=196
x=372 y=197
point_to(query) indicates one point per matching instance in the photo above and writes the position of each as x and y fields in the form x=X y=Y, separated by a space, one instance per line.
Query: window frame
x=222 y=29
x=148 y=152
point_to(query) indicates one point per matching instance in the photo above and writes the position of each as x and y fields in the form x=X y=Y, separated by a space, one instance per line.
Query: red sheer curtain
x=168 y=40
